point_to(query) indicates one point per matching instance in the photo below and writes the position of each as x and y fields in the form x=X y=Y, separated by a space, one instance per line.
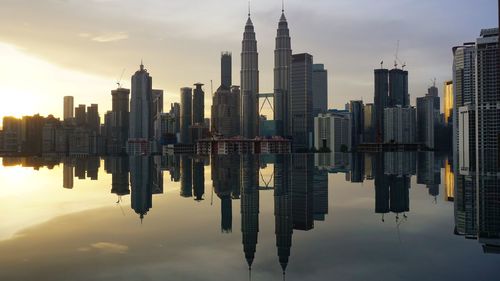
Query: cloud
x=110 y=37
x=106 y=247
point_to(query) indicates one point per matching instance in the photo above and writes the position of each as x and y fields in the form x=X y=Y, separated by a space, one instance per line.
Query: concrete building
x=141 y=123
x=68 y=107
x=117 y=121
x=225 y=111
x=320 y=89
x=282 y=67
x=81 y=115
x=400 y=125
x=333 y=130
x=198 y=107
x=93 y=119
x=466 y=140
x=186 y=114
x=301 y=102
x=249 y=83
x=226 y=69
x=487 y=104
x=398 y=88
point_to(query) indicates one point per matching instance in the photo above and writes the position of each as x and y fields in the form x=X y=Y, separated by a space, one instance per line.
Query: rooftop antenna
x=282 y=6
x=248 y=8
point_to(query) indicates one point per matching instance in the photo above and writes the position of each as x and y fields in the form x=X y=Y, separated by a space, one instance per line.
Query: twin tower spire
x=250 y=114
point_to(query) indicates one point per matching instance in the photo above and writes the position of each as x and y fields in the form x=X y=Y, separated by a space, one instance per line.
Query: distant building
x=357 y=122
x=333 y=131
x=398 y=88
x=369 y=123
x=426 y=121
x=301 y=102
x=381 y=101
x=198 y=107
x=226 y=69
x=225 y=111
x=448 y=101
x=93 y=119
x=275 y=145
x=320 y=89
x=68 y=107
x=81 y=115
x=400 y=125
x=117 y=122
x=186 y=114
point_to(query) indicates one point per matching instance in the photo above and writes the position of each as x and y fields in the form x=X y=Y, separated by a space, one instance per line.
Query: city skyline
x=90 y=70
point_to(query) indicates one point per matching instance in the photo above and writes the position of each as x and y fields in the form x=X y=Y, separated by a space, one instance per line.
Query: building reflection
x=226 y=183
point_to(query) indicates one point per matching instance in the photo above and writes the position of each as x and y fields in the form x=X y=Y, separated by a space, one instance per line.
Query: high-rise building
x=68 y=107
x=93 y=119
x=381 y=101
x=433 y=92
x=369 y=125
x=333 y=130
x=81 y=115
x=301 y=120
x=398 y=88
x=357 y=122
x=320 y=89
x=282 y=63
x=487 y=104
x=225 y=111
x=399 y=124
x=466 y=120
x=198 y=104
x=141 y=123
x=226 y=69
x=448 y=101
x=175 y=113
x=249 y=83
x=426 y=120
x=186 y=113
x=117 y=125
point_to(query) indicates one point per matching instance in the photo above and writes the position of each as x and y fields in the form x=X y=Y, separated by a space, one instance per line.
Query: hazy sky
x=52 y=48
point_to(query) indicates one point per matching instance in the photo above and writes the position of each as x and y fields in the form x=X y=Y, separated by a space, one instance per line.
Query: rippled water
x=393 y=216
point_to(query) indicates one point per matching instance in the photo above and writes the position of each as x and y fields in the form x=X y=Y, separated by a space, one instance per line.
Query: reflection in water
x=300 y=189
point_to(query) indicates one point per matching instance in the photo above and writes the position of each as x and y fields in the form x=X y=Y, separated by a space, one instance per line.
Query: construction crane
x=396 y=58
x=118 y=82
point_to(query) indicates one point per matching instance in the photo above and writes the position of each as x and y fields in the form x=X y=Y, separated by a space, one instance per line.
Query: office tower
x=157 y=103
x=320 y=89
x=301 y=102
x=226 y=69
x=398 y=88
x=487 y=104
x=282 y=63
x=433 y=92
x=93 y=119
x=426 y=120
x=81 y=115
x=198 y=108
x=448 y=101
x=186 y=113
x=141 y=123
x=118 y=125
x=175 y=112
x=333 y=131
x=68 y=107
x=249 y=205
x=464 y=87
x=249 y=83
x=381 y=101
x=399 y=124
x=369 y=125
x=357 y=122
x=225 y=111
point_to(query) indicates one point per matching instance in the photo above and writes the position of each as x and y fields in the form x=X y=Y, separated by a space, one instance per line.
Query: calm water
x=396 y=216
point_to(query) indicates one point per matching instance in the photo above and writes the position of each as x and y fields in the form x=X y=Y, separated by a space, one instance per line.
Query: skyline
x=88 y=57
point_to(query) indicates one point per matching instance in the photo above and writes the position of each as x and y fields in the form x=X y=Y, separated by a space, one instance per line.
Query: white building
x=333 y=130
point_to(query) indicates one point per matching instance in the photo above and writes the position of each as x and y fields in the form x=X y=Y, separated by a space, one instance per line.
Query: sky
x=53 y=48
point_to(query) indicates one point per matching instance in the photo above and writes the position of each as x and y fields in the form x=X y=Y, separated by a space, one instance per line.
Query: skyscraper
x=225 y=111
x=68 y=107
x=93 y=118
x=381 y=101
x=399 y=125
x=320 y=89
x=398 y=88
x=198 y=104
x=141 y=123
x=81 y=115
x=426 y=120
x=357 y=122
x=119 y=127
x=487 y=104
x=226 y=69
x=369 y=127
x=282 y=63
x=448 y=101
x=186 y=113
x=301 y=102
x=249 y=83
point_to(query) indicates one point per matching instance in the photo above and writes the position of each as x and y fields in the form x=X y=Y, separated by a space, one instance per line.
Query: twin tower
x=250 y=80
